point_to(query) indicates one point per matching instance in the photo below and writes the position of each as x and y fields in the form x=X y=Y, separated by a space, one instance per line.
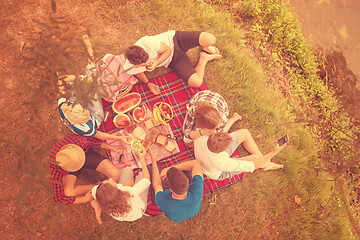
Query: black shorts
x=180 y=63
x=92 y=161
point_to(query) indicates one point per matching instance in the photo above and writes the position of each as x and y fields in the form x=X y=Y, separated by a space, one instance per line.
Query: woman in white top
x=125 y=201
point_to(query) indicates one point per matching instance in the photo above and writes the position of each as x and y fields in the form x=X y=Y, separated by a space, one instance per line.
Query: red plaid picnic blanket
x=177 y=93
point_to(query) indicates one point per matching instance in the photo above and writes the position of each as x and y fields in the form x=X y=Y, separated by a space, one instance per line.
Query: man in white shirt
x=214 y=151
x=169 y=49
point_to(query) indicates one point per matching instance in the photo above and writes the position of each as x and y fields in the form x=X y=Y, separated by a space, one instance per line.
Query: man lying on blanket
x=169 y=50
x=183 y=200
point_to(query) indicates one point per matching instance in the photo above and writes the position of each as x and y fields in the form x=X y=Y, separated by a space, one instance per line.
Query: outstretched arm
x=201 y=132
x=194 y=166
x=106 y=136
x=84 y=199
x=153 y=87
x=156 y=180
x=118 y=149
x=231 y=122
x=144 y=168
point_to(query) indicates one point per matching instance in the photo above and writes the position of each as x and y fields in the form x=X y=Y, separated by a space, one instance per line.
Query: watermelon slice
x=126 y=103
x=139 y=113
x=122 y=120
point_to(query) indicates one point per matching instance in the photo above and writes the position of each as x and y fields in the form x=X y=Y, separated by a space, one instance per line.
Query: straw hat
x=75 y=113
x=71 y=157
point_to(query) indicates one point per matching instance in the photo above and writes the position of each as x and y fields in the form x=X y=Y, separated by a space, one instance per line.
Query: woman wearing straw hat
x=68 y=157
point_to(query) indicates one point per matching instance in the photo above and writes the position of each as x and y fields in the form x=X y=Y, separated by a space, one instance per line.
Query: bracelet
x=200 y=132
x=147 y=83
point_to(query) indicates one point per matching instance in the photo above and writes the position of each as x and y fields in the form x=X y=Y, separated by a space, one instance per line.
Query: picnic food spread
x=127 y=102
x=134 y=120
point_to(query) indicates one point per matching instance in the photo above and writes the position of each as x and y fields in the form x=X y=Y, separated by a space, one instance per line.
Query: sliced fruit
x=122 y=120
x=139 y=113
x=164 y=107
x=127 y=102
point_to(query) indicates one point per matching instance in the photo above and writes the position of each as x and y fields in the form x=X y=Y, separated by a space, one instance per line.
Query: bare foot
x=272 y=166
x=211 y=50
x=209 y=57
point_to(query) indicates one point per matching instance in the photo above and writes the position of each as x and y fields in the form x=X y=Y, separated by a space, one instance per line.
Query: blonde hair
x=219 y=142
x=206 y=116
x=75 y=113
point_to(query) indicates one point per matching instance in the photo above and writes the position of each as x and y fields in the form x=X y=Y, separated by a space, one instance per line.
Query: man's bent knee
x=69 y=192
x=195 y=81
x=206 y=39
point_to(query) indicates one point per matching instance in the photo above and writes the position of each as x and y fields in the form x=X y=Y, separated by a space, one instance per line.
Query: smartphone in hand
x=283 y=140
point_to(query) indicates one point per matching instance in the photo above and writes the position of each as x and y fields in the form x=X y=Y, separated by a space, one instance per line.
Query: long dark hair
x=113 y=200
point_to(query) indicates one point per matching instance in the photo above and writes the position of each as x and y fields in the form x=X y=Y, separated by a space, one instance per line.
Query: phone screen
x=283 y=140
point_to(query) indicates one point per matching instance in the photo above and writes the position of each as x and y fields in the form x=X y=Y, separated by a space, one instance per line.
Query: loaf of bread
x=152 y=135
x=170 y=146
x=146 y=144
x=139 y=133
x=161 y=140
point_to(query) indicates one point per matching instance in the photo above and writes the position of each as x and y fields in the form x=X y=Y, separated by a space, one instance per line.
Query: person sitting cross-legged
x=68 y=157
x=125 y=200
x=207 y=113
x=214 y=151
x=183 y=200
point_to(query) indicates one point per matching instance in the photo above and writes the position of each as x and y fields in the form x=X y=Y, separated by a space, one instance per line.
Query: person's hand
x=163 y=173
x=151 y=65
x=130 y=182
x=125 y=139
x=141 y=154
x=207 y=131
x=278 y=148
x=154 y=88
x=88 y=196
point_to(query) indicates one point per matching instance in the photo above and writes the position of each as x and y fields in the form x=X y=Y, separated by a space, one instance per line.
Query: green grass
x=262 y=205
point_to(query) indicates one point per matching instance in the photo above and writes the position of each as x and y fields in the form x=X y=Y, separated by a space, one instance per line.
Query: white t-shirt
x=213 y=164
x=151 y=45
x=138 y=206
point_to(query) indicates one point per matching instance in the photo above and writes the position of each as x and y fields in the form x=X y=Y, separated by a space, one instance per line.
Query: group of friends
x=179 y=188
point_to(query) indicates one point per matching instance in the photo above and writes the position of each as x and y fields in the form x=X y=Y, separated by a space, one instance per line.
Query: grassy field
x=262 y=206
